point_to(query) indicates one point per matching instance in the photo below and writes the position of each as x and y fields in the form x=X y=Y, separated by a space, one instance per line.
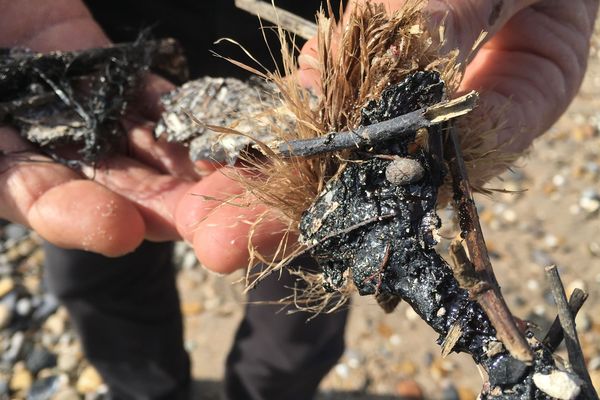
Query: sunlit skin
x=533 y=60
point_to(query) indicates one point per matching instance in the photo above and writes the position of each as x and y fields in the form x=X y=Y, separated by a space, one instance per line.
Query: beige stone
x=6 y=285
x=21 y=379
x=89 y=380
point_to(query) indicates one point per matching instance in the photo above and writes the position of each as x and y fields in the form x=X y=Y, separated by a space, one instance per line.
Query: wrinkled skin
x=535 y=56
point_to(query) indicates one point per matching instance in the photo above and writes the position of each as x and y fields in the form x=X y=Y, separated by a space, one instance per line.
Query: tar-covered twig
x=567 y=321
x=486 y=289
x=555 y=334
x=397 y=128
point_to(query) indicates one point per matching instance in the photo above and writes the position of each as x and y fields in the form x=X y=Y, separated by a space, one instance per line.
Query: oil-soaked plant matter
x=381 y=235
x=78 y=97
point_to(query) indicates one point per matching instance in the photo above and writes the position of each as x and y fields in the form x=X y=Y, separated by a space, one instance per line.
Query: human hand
x=62 y=205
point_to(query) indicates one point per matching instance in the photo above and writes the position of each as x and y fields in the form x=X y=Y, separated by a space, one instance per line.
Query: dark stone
x=40 y=358
x=15 y=231
x=43 y=389
x=506 y=371
x=48 y=306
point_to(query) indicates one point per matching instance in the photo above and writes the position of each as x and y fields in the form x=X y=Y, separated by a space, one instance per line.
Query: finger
x=465 y=20
x=309 y=74
x=219 y=221
x=166 y=157
x=154 y=195
x=146 y=102
x=202 y=198
x=224 y=237
x=84 y=215
x=532 y=68
x=64 y=210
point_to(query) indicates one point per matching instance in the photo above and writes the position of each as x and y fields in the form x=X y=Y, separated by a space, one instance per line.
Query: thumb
x=464 y=21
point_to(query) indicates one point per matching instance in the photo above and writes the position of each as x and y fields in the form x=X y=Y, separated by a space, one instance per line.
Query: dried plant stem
x=284 y=19
x=567 y=321
x=485 y=288
x=555 y=334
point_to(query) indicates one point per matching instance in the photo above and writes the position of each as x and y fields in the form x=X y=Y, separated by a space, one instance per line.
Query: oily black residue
x=76 y=97
x=364 y=228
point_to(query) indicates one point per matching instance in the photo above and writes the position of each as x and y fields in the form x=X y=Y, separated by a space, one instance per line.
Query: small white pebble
x=395 y=340
x=342 y=370
x=590 y=205
x=533 y=284
x=551 y=241
x=23 y=306
x=558 y=180
x=558 y=384
x=510 y=216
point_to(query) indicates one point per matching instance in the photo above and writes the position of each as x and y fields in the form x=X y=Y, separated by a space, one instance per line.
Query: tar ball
x=403 y=171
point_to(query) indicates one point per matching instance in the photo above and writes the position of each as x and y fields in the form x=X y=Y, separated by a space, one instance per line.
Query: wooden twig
x=285 y=19
x=369 y=135
x=485 y=289
x=567 y=321
x=555 y=334
x=363 y=136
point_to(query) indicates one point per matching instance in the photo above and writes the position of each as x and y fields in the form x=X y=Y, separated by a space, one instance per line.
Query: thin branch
x=363 y=136
x=285 y=19
x=567 y=321
x=485 y=288
x=555 y=334
x=395 y=128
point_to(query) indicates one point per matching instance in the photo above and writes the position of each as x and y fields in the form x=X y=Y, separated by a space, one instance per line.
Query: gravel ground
x=552 y=216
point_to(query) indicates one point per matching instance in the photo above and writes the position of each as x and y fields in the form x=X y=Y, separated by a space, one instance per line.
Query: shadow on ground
x=211 y=390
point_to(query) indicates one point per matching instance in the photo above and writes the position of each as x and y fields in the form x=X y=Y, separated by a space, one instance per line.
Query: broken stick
x=555 y=334
x=486 y=289
x=285 y=19
x=567 y=321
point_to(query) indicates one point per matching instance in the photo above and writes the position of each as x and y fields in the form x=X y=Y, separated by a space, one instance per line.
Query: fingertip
x=225 y=239
x=83 y=215
x=308 y=74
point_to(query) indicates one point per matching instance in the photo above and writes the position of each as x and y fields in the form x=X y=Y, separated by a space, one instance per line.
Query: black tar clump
x=365 y=228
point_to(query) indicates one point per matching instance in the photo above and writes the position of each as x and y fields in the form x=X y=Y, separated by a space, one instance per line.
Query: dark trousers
x=126 y=311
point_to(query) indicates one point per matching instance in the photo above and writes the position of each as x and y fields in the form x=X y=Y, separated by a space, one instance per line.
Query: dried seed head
x=403 y=171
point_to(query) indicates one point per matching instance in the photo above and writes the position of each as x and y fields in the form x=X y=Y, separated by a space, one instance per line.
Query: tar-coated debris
x=77 y=98
x=191 y=110
x=420 y=90
x=380 y=235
